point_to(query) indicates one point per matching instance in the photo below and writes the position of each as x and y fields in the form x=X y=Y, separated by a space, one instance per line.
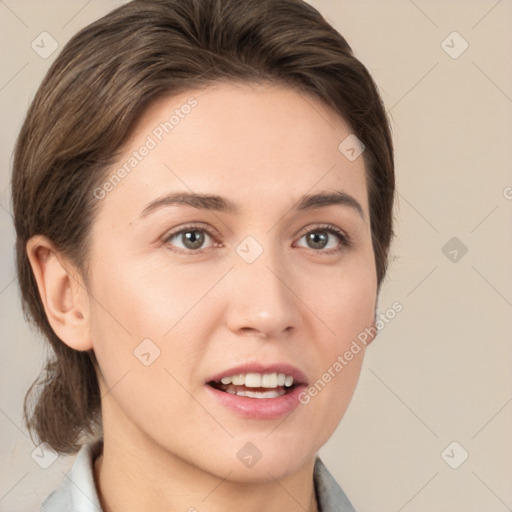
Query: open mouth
x=256 y=385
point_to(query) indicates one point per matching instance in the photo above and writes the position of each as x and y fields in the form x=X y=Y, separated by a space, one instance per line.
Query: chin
x=255 y=459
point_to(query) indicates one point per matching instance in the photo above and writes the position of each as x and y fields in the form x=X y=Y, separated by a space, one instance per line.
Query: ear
x=62 y=291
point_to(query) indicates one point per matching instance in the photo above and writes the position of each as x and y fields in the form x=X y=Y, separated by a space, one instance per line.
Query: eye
x=192 y=238
x=320 y=239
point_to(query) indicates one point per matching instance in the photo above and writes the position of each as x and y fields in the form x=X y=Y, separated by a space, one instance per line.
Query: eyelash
x=344 y=239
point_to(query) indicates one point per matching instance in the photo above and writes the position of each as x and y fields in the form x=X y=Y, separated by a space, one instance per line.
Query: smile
x=255 y=385
x=258 y=391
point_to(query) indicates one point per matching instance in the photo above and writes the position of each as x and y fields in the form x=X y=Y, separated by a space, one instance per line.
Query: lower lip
x=259 y=408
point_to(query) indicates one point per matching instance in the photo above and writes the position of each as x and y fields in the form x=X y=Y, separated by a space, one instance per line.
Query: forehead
x=259 y=144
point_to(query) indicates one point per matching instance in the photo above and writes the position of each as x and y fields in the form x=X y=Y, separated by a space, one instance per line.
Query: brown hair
x=88 y=102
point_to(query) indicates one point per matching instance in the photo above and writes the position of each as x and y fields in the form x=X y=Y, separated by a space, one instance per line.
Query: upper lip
x=298 y=376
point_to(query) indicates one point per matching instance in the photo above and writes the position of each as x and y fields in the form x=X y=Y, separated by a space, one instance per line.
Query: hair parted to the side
x=88 y=102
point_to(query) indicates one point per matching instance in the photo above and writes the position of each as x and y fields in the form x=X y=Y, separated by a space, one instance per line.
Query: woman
x=203 y=194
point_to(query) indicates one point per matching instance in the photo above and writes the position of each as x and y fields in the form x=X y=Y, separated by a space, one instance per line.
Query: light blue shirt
x=77 y=492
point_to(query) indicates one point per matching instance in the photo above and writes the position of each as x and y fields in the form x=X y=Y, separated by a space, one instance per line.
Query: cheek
x=345 y=309
x=138 y=301
x=142 y=313
x=139 y=372
x=123 y=314
x=343 y=301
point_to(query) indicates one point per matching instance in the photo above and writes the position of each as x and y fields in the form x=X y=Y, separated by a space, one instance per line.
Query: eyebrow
x=221 y=204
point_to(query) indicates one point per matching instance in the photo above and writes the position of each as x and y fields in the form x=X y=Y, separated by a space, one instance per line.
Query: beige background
x=441 y=371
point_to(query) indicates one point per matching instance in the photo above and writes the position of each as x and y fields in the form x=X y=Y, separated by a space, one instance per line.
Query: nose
x=262 y=301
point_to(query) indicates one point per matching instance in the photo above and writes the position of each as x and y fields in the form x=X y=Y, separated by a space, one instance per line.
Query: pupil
x=314 y=238
x=194 y=241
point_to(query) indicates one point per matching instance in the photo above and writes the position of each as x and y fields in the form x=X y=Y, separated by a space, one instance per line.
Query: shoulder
x=77 y=492
x=330 y=495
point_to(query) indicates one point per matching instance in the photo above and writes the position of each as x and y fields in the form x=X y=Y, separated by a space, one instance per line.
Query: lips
x=257 y=390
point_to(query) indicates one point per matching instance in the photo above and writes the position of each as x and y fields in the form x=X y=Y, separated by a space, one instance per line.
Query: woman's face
x=192 y=302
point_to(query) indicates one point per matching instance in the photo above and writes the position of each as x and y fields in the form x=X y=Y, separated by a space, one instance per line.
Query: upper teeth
x=258 y=380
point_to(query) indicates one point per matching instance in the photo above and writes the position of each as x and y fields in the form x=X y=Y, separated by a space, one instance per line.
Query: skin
x=167 y=444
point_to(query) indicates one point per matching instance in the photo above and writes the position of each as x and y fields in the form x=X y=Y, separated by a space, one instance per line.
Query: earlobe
x=62 y=293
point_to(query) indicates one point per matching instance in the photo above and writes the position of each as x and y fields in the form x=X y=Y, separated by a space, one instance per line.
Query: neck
x=136 y=475
x=135 y=480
